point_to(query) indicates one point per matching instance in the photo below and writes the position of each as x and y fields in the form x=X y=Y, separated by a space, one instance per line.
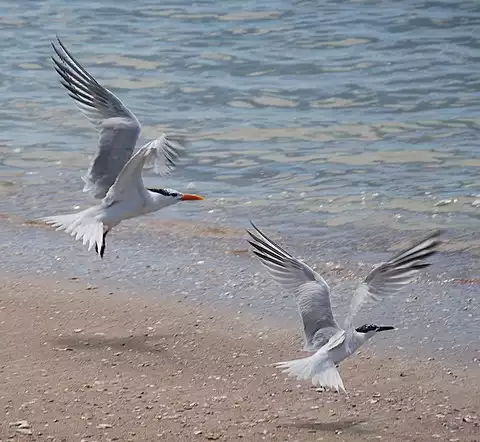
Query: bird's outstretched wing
x=311 y=291
x=390 y=277
x=119 y=128
x=162 y=153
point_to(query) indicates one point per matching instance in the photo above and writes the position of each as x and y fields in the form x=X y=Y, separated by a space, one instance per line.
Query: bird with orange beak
x=115 y=175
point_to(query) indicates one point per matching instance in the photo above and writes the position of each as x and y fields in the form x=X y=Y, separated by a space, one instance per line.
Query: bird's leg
x=102 y=249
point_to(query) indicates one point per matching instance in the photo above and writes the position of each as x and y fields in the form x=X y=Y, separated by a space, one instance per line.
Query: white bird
x=323 y=335
x=114 y=176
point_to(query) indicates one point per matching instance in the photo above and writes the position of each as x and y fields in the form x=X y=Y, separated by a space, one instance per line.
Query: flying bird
x=115 y=174
x=330 y=343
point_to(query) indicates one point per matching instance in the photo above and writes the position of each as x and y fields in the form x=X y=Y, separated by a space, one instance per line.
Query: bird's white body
x=115 y=175
x=353 y=341
x=150 y=202
x=330 y=343
x=110 y=214
x=321 y=366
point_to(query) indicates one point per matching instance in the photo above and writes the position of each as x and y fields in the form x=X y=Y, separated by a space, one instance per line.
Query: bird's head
x=167 y=197
x=370 y=329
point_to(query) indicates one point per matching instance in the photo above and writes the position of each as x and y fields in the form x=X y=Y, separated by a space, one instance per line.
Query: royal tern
x=115 y=175
x=323 y=335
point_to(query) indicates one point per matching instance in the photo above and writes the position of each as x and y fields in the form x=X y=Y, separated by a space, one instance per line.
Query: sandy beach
x=345 y=131
x=82 y=363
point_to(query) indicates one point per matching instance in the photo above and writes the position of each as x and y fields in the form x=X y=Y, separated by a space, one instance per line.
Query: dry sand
x=78 y=363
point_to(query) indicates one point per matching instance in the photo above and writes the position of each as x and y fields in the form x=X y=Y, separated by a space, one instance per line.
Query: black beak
x=385 y=328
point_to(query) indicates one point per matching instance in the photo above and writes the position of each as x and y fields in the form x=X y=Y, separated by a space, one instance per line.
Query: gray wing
x=119 y=129
x=390 y=277
x=162 y=152
x=311 y=291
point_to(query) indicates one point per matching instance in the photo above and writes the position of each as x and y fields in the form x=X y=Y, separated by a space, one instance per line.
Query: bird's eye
x=174 y=194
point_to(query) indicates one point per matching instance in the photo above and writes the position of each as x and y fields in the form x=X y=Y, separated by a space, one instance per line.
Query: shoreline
x=210 y=265
x=323 y=215
x=87 y=363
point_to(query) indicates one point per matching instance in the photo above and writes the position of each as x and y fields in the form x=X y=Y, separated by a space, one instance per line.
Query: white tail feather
x=82 y=225
x=318 y=367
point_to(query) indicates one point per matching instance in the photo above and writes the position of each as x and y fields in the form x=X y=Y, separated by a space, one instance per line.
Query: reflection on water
x=345 y=114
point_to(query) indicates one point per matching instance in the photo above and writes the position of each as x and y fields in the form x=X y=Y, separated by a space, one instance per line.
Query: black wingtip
x=61 y=44
x=59 y=55
x=421 y=266
x=253 y=225
x=248 y=231
x=256 y=237
x=435 y=242
x=57 y=38
x=266 y=241
x=436 y=233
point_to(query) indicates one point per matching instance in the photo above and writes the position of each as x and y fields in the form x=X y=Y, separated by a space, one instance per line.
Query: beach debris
x=21 y=426
x=190 y=405
x=170 y=417
x=468 y=419
x=26 y=404
x=77 y=330
x=445 y=202
x=104 y=426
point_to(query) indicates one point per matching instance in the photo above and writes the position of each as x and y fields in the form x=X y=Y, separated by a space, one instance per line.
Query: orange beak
x=191 y=197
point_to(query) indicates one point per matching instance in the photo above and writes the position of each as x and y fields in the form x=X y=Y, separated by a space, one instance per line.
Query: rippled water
x=300 y=113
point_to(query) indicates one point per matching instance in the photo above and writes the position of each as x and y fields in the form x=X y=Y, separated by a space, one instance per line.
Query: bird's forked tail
x=318 y=367
x=82 y=225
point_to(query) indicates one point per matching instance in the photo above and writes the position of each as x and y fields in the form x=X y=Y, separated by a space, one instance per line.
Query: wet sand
x=82 y=363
